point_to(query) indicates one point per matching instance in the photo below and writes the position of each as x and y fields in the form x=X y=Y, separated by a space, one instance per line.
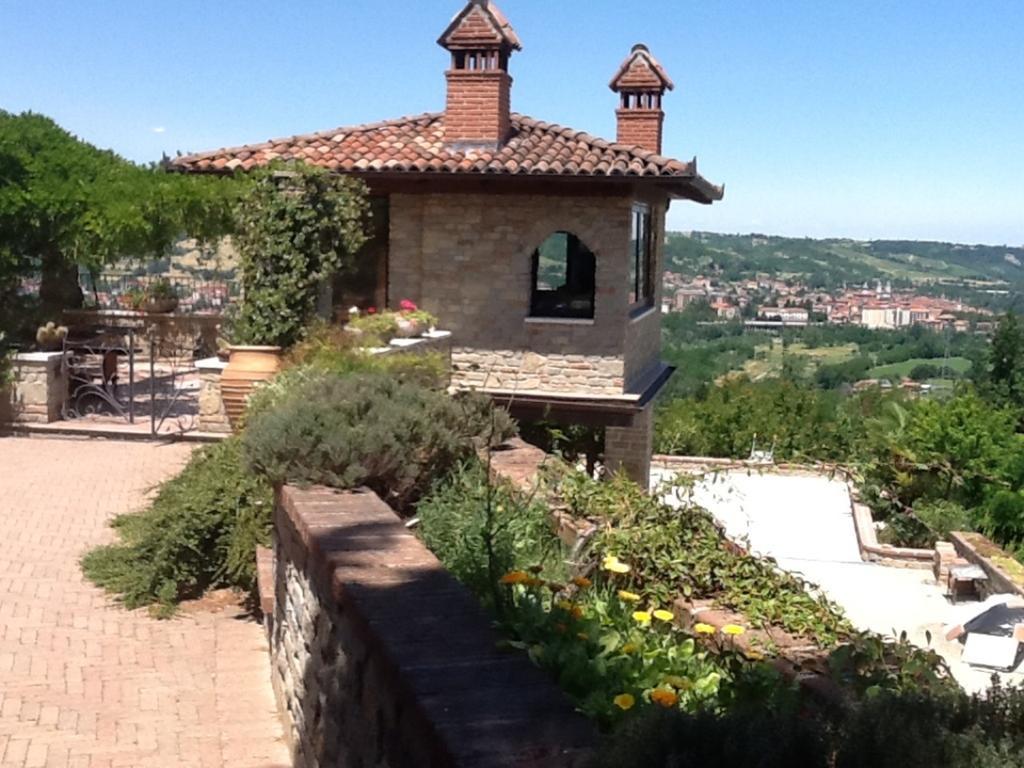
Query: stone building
x=537 y=245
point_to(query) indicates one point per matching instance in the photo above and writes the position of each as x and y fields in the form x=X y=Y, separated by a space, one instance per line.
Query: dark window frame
x=641 y=259
x=580 y=268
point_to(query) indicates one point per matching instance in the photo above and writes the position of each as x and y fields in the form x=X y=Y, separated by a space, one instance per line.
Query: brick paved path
x=86 y=683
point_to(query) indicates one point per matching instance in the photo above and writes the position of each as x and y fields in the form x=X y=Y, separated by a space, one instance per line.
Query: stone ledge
x=443 y=694
x=1004 y=572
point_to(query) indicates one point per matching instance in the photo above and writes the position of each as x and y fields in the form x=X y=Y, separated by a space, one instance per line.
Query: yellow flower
x=565 y=605
x=629 y=597
x=613 y=564
x=704 y=629
x=630 y=648
x=754 y=655
x=624 y=701
x=664 y=615
x=733 y=630
x=582 y=582
x=642 y=617
x=664 y=697
x=515 y=577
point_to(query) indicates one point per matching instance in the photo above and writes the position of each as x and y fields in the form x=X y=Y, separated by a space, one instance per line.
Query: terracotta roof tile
x=416 y=145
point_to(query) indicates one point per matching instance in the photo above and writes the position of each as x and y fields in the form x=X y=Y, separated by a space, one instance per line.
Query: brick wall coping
x=211 y=365
x=1004 y=572
x=476 y=705
x=871 y=550
x=663 y=461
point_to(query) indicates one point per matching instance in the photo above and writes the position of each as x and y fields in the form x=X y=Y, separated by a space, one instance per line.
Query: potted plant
x=132 y=299
x=50 y=337
x=296 y=227
x=161 y=297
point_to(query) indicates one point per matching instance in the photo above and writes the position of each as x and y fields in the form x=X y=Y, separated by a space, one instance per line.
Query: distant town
x=766 y=302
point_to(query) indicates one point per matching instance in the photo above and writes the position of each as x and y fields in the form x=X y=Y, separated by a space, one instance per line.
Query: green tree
x=1006 y=360
x=925 y=371
x=64 y=204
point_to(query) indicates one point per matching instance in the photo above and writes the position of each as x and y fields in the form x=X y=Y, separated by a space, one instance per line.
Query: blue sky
x=865 y=119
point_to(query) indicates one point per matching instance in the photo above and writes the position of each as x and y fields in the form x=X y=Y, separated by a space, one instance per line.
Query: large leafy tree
x=64 y=204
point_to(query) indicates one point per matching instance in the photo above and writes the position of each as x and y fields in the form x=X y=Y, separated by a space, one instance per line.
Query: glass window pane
x=552 y=267
x=564 y=275
x=634 y=257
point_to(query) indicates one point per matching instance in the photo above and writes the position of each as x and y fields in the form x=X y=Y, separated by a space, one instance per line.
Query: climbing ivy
x=297 y=225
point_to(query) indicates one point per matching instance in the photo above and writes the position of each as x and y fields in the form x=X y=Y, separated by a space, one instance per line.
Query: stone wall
x=467 y=259
x=213 y=417
x=381 y=658
x=38 y=391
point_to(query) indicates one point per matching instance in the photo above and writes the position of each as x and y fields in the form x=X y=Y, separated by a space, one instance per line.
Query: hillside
x=832 y=262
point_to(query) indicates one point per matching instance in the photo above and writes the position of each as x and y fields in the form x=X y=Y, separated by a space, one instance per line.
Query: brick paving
x=84 y=683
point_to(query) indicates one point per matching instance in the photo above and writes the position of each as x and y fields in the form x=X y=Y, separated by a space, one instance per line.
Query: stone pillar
x=629 y=448
x=212 y=416
x=38 y=390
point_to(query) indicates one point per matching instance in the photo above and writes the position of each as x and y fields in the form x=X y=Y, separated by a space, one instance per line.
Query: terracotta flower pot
x=160 y=306
x=247 y=366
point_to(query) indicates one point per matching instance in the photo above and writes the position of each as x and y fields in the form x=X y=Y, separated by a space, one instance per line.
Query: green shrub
x=943 y=517
x=330 y=349
x=200 y=532
x=755 y=738
x=5 y=362
x=890 y=730
x=368 y=429
x=681 y=551
x=481 y=531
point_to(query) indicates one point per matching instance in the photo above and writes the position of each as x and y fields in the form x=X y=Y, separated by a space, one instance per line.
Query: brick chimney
x=478 y=109
x=641 y=83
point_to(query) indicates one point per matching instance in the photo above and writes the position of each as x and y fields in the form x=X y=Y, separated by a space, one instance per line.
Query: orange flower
x=582 y=582
x=515 y=577
x=577 y=612
x=624 y=701
x=664 y=697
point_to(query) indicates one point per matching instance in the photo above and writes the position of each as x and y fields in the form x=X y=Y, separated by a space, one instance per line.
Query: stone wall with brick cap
x=38 y=389
x=381 y=658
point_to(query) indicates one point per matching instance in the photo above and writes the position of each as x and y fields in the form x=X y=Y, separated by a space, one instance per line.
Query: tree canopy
x=65 y=203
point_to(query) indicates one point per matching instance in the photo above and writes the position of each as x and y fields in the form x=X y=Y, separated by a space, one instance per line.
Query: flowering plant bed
x=378 y=328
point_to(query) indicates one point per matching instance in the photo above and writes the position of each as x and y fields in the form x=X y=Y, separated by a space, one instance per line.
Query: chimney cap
x=466 y=31
x=640 y=72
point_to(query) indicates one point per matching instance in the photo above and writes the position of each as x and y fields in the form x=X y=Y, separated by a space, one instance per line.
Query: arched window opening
x=564 y=278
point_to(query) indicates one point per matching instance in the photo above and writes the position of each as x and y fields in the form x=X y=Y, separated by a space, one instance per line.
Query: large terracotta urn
x=247 y=367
